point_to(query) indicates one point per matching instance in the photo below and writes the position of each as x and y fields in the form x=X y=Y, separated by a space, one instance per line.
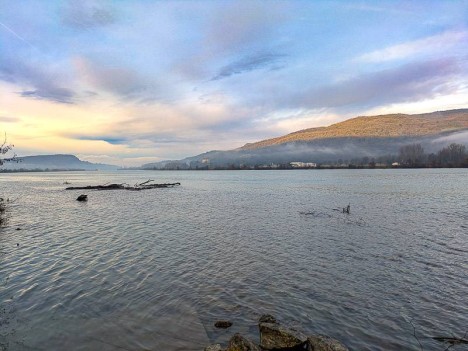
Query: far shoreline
x=10 y=171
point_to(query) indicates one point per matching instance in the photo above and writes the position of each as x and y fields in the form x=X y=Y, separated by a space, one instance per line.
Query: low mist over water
x=155 y=269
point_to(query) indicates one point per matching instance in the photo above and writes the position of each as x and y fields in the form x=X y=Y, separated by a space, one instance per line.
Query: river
x=153 y=270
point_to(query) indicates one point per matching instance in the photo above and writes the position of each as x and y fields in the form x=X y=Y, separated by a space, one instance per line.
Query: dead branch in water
x=452 y=341
x=124 y=186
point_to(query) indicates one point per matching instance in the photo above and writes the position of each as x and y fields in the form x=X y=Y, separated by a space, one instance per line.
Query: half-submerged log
x=142 y=186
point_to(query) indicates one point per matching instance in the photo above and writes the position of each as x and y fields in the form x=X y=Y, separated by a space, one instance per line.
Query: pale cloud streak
x=86 y=14
x=6 y=119
x=123 y=82
x=250 y=63
x=435 y=44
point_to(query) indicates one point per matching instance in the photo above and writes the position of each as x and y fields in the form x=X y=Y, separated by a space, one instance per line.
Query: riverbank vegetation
x=409 y=156
x=5 y=148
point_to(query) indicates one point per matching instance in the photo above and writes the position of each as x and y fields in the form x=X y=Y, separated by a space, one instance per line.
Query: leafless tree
x=412 y=154
x=5 y=148
x=453 y=155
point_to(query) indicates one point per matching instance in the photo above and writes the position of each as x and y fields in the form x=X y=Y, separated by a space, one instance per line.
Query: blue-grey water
x=153 y=270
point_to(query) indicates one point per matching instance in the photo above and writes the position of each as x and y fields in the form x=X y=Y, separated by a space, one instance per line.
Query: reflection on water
x=153 y=270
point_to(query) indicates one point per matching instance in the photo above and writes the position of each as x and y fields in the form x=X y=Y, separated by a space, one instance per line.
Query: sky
x=131 y=82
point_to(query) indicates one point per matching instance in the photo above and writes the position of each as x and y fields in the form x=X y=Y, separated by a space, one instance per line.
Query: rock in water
x=82 y=197
x=324 y=343
x=267 y=318
x=275 y=336
x=223 y=324
x=239 y=343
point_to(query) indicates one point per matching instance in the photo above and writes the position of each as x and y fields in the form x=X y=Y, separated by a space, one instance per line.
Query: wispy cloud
x=241 y=24
x=433 y=44
x=123 y=82
x=87 y=14
x=7 y=119
x=410 y=82
x=37 y=81
x=114 y=140
x=250 y=63
x=61 y=95
x=374 y=7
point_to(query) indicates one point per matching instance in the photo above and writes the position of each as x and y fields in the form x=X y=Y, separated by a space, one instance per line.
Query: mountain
x=383 y=126
x=364 y=136
x=54 y=162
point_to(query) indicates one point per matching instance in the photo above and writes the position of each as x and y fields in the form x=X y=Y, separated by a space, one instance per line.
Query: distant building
x=303 y=165
x=269 y=166
x=205 y=160
x=395 y=164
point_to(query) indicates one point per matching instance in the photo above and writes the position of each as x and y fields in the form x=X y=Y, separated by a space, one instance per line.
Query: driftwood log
x=142 y=186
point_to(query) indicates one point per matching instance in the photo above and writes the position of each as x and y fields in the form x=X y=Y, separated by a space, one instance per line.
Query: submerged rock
x=223 y=324
x=239 y=343
x=324 y=343
x=267 y=318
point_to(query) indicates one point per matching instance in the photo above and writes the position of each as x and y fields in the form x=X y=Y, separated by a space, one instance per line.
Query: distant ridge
x=54 y=162
x=381 y=126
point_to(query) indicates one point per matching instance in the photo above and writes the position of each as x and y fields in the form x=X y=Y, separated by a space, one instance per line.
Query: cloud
x=398 y=10
x=61 y=95
x=7 y=119
x=250 y=63
x=437 y=43
x=123 y=82
x=114 y=140
x=86 y=14
x=410 y=82
x=241 y=24
x=38 y=81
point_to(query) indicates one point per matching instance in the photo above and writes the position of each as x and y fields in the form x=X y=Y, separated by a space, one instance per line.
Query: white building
x=303 y=165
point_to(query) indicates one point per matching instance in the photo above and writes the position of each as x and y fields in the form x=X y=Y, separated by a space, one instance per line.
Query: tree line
x=453 y=155
x=414 y=156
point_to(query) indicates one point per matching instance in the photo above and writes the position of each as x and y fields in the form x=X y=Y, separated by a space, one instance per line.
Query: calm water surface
x=153 y=270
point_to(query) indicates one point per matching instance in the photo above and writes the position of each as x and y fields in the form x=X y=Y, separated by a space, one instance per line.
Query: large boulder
x=275 y=336
x=239 y=343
